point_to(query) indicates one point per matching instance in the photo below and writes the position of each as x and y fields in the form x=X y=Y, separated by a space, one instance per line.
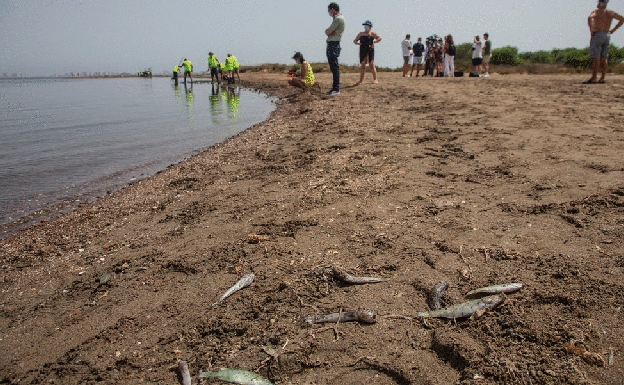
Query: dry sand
x=470 y=181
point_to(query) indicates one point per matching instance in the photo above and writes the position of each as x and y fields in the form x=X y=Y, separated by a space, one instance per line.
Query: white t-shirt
x=476 y=52
x=406 y=47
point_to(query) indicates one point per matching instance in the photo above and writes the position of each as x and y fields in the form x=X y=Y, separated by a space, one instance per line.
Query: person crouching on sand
x=305 y=77
x=366 y=40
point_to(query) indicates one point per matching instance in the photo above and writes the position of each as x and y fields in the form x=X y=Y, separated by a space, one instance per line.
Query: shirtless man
x=599 y=25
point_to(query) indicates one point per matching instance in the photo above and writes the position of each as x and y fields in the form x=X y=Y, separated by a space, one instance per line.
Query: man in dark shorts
x=599 y=26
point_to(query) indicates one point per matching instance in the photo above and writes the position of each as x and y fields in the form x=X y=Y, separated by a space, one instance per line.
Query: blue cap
x=367 y=22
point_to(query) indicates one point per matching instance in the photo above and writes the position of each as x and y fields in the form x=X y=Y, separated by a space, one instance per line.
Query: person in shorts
x=600 y=28
x=487 y=53
x=418 y=49
x=406 y=50
x=367 y=40
x=477 y=58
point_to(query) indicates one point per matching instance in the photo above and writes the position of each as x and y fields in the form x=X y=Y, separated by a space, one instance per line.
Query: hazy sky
x=45 y=37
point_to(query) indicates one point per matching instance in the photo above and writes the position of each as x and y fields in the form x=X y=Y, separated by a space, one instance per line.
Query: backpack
x=474 y=75
x=451 y=50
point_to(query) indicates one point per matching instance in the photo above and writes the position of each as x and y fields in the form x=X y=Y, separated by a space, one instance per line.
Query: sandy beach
x=470 y=181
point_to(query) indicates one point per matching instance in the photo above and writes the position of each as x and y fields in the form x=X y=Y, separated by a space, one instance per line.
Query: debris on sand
x=363 y=316
x=436 y=294
x=242 y=283
x=183 y=373
x=465 y=309
x=255 y=238
x=496 y=289
x=589 y=357
x=348 y=278
x=237 y=376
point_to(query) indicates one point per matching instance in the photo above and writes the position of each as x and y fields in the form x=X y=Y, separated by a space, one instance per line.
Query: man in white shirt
x=477 y=58
x=406 y=48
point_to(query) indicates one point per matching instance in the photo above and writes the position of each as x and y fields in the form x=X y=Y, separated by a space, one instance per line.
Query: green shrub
x=506 y=56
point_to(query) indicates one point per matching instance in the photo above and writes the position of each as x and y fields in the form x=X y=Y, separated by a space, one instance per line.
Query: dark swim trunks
x=366 y=48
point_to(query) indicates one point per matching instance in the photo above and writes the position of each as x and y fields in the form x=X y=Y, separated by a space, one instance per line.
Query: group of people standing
x=438 y=56
x=218 y=70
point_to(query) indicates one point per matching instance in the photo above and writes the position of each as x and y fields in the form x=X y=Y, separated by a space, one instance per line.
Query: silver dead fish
x=183 y=373
x=242 y=283
x=436 y=294
x=496 y=289
x=364 y=316
x=465 y=309
x=237 y=376
x=348 y=278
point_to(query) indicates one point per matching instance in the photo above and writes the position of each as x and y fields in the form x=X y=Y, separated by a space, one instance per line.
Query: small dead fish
x=348 y=278
x=237 y=376
x=183 y=373
x=242 y=283
x=364 y=316
x=496 y=289
x=436 y=294
x=465 y=309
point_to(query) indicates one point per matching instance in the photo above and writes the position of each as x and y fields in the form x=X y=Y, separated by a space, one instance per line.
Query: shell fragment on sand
x=465 y=309
x=237 y=376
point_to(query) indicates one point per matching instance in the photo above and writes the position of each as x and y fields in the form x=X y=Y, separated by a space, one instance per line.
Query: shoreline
x=470 y=181
x=69 y=203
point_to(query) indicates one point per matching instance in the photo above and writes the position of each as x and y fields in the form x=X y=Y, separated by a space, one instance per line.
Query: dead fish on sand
x=183 y=373
x=348 y=278
x=436 y=294
x=364 y=316
x=465 y=309
x=237 y=376
x=496 y=289
x=244 y=282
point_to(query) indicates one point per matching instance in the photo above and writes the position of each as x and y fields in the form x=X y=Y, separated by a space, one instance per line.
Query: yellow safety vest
x=187 y=66
x=212 y=61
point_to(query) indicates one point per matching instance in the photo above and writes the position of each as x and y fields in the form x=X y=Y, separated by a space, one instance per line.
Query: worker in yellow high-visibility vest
x=188 y=68
x=213 y=65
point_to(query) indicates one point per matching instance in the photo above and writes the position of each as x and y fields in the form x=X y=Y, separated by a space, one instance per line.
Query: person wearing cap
x=213 y=65
x=188 y=68
x=334 y=35
x=366 y=40
x=406 y=50
x=600 y=28
x=305 y=77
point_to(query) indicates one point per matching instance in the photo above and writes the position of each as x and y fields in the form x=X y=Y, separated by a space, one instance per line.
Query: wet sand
x=470 y=181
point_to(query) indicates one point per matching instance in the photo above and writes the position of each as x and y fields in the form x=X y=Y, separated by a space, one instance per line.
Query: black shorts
x=477 y=61
x=370 y=52
x=214 y=71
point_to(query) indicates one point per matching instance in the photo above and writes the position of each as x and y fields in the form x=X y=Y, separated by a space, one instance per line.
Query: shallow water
x=66 y=141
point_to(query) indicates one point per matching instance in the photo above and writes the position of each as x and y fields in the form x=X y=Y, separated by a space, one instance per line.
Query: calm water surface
x=68 y=141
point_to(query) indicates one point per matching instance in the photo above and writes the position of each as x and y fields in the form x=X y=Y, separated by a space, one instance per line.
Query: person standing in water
x=188 y=68
x=366 y=40
x=334 y=35
x=213 y=64
x=600 y=28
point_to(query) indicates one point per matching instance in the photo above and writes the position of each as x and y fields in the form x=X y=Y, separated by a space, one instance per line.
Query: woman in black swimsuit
x=366 y=40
